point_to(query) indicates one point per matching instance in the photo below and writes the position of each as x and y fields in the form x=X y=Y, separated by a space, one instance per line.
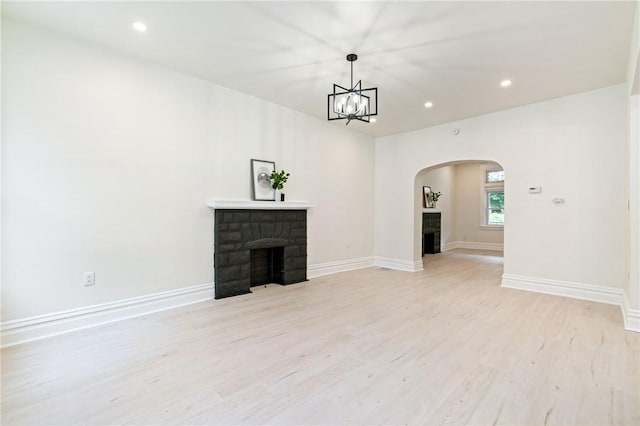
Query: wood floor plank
x=446 y=345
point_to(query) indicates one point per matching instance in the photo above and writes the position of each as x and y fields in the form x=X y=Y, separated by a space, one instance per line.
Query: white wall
x=633 y=169
x=572 y=146
x=633 y=238
x=107 y=165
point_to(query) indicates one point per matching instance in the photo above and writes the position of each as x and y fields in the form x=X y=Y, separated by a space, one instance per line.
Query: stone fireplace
x=254 y=246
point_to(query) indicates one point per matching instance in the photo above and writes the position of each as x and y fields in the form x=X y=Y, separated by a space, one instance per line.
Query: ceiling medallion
x=355 y=103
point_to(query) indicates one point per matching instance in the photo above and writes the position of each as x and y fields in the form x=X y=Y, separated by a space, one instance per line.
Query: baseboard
x=631 y=316
x=320 y=269
x=39 y=327
x=399 y=264
x=478 y=245
x=593 y=293
x=452 y=245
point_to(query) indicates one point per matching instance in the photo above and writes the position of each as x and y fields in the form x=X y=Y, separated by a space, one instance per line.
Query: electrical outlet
x=89 y=278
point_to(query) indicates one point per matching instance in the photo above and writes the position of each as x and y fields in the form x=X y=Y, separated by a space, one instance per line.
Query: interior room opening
x=461 y=205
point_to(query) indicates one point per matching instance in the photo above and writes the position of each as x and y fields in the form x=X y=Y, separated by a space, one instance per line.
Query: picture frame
x=261 y=181
x=426 y=197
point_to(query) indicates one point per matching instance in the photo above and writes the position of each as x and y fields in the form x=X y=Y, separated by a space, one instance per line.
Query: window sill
x=492 y=227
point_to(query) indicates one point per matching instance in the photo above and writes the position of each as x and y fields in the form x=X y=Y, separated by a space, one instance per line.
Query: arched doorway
x=469 y=210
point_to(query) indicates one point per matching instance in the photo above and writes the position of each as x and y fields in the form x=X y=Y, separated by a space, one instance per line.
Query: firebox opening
x=267 y=266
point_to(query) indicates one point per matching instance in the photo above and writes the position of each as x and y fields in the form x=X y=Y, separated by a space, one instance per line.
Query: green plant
x=435 y=196
x=278 y=179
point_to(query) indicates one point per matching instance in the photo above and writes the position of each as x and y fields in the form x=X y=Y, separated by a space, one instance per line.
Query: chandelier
x=355 y=103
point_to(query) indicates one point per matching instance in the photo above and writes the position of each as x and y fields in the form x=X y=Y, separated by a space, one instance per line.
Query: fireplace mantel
x=217 y=204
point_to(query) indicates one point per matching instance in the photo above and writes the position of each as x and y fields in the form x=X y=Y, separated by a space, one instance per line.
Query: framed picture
x=426 y=196
x=260 y=177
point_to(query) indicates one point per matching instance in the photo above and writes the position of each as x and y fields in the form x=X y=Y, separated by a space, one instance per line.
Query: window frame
x=486 y=177
x=489 y=187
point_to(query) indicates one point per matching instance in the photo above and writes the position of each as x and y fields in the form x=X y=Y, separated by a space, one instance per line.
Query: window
x=492 y=176
x=495 y=207
x=494 y=198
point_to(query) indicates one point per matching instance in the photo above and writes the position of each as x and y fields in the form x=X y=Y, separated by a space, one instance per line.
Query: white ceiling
x=452 y=53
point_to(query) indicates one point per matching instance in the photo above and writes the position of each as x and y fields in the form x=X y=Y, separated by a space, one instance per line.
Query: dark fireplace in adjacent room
x=430 y=233
x=267 y=266
x=429 y=245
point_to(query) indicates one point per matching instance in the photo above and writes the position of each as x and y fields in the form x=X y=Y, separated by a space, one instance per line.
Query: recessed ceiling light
x=139 y=26
x=373 y=119
x=505 y=83
x=428 y=104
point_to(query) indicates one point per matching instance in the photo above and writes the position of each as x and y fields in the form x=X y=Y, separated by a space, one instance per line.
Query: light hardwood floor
x=443 y=346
